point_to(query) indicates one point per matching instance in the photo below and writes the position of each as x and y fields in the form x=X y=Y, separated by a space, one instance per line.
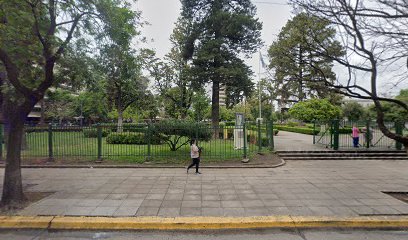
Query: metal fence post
x=149 y=142
x=245 y=141
x=336 y=134
x=99 y=131
x=259 y=136
x=367 y=136
x=1 y=142
x=50 y=149
x=271 y=134
x=398 y=131
x=314 y=131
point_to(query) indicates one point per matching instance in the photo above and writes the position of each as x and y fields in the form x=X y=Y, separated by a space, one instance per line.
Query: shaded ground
x=261 y=159
x=322 y=188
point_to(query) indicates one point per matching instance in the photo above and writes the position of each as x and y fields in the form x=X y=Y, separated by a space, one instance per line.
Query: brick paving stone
x=195 y=197
x=151 y=203
x=169 y=212
x=190 y=212
x=212 y=212
x=147 y=211
x=211 y=204
x=171 y=203
x=104 y=211
x=231 y=204
x=79 y=211
x=186 y=204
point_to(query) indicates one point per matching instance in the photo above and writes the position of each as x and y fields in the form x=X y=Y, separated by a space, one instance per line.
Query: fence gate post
x=271 y=133
x=245 y=141
x=367 y=134
x=99 y=131
x=50 y=149
x=314 y=130
x=259 y=136
x=336 y=134
x=398 y=130
x=1 y=142
x=149 y=143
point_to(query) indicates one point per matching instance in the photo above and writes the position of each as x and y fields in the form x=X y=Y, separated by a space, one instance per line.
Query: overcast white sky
x=162 y=14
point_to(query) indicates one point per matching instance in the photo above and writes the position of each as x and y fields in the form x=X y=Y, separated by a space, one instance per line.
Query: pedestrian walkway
x=301 y=188
x=290 y=141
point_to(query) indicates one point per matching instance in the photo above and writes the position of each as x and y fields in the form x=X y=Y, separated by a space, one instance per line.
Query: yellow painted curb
x=34 y=222
x=196 y=223
x=177 y=223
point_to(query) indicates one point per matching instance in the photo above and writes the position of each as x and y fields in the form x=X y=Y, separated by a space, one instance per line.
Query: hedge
x=93 y=132
x=298 y=130
x=132 y=138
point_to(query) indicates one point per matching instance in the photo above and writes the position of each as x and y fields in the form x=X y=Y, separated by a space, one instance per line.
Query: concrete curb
x=197 y=223
x=149 y=167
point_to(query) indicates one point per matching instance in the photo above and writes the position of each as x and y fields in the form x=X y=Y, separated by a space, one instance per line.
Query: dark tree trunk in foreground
x=215 y=108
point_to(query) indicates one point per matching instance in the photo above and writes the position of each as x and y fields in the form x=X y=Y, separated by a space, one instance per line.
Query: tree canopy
x=315 y=109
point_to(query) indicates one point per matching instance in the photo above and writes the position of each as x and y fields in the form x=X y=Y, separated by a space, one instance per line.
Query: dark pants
x=355 y=141
x=196 y=162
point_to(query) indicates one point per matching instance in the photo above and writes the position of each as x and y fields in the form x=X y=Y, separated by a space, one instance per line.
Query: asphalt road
x=270 y=234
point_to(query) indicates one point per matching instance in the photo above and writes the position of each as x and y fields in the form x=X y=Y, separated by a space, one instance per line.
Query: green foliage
x=292 y=124
x=129 y=138
x=93 y=105
x=393 y=112
x=93 y=132
x=300 y=67
x=315 y=109
x=353 y=111
x=177 y=133
x=297 y=130
x=219 y=31
x=200 y=106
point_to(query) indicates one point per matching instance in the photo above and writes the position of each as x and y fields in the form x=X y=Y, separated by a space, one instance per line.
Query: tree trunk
x=120 y=121
x=215 y=108
x=42 y=116
x=12 y=186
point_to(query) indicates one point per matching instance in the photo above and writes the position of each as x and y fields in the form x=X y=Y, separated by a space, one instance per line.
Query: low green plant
x=136 y=138
x=298 y=130
x=93 y=132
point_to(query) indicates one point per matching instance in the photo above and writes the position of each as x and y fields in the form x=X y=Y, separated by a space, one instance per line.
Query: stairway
x=343 y=155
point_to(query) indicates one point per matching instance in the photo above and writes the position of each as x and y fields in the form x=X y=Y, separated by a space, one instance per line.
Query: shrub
x=298 y=130
x=292 y=124
x=275 y=131
x=132 y=138
x=178 y=133
x=93 y=132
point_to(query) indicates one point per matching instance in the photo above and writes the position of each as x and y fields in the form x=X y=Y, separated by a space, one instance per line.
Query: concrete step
x=343 y=155
x=345 y=158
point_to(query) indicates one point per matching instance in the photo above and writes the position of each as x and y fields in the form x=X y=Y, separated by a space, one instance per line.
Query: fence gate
x=338 y=134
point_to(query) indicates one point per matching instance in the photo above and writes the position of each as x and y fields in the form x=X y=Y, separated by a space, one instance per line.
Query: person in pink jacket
x=355 y=133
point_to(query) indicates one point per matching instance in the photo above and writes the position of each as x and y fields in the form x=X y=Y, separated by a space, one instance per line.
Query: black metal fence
x=338 y=134
x=139 y=143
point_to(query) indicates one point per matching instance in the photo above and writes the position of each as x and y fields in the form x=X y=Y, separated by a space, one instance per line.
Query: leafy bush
x=178 y=133
x=275 y=131
x=132 y=138
x=93 y=132
x=298 y=130
x=292 y=124
x=315 y=109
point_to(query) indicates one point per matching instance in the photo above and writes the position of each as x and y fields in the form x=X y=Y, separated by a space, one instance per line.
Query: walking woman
x=195 y=155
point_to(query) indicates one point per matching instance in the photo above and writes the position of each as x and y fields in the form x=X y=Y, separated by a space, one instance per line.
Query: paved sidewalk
x=312 y=188
x=290 y=141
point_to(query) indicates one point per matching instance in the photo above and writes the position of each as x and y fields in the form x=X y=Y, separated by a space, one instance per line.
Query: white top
x=194 y=151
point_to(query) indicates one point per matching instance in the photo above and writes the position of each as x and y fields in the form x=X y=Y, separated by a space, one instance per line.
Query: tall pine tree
x=222 y=31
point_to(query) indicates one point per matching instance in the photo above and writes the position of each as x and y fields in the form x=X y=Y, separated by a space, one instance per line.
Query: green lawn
x=75 y=145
